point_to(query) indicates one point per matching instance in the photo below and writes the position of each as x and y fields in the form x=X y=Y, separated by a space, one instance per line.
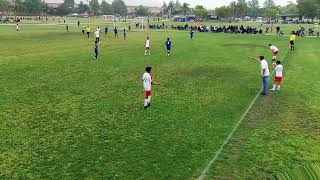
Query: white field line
x=217 y=153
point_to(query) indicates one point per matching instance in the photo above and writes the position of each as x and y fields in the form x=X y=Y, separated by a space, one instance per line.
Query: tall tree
x=94 y=6
x=4 y=5
x=178 y=4
x=106 y=8
x=66 y=8
x=271 y=13
x=119 y=7
x=233 y=9
x=309 y=8
x=32 y=6
x=185 y=8
x=222 y=12
x=171 y=7
x=290 y=9
x=165 y=8
x=83 y=7
x=201 y=12
x=19 y=6
x=254 y=8
x=141 y=11
x=242 y=8
x=269 y=4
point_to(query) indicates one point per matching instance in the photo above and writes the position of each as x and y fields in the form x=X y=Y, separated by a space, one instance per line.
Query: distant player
x=17 y=28
x=168 y=46
x=275 y=52
x=88 y=30
x=191 y=34
x=278 y=78
x=96 y=49
x=115 y=30
x=78 y=23
x=292 y=41
x=106 y=30
x=97 y=35
x=98 y=29
x=147 y=83
x=67 y=28
x=124 y=34
x=147 y=47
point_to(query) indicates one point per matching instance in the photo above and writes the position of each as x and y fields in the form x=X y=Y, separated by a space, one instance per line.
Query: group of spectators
x=220 y=29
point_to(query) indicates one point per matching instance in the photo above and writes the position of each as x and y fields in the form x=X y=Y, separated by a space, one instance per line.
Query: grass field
x=63 y=115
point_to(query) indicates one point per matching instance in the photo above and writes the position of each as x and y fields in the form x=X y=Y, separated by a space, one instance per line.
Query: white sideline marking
x=215 y=157
x=206 y=170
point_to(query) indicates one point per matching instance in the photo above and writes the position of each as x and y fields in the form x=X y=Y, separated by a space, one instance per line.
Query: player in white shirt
x=265 y=73
x=147 y=83
x=275 y=52
x=17 y=28
x=147 y=47
x=278 y=78
x=97 y=35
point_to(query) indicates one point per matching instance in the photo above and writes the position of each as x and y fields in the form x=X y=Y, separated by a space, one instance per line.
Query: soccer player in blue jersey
x=115 y=30
x=191 y=34
x=168 y=45
x=106 y=30
x=96 y=49
x=124 y=34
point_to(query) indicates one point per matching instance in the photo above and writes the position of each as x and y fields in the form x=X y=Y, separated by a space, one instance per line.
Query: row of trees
x=38 y=6
x=116 y=7
x=237 y=8
x=176 y=7
x=26 y=6
x=241 y=8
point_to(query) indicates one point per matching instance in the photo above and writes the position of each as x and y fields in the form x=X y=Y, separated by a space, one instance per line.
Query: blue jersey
x=96 y=49
x=168 y=44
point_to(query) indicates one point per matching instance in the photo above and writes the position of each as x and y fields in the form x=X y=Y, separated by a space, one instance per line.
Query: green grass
x=285 y=28
x=62 y=115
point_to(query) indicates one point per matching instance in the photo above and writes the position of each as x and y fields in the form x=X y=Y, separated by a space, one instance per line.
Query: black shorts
x=291 y=43
x=88 y=33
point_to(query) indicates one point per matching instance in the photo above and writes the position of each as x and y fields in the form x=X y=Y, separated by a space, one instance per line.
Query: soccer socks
x=274 y=58
x=149 y=100
x=274 y=87
x=278 y=87
x=145 y=102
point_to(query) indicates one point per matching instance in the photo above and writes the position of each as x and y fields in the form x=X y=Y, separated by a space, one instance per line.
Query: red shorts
x=275 y=53
x=148 y=93
x=278 y=79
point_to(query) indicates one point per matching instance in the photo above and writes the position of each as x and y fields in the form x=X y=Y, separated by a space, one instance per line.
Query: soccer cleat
x=272 y=89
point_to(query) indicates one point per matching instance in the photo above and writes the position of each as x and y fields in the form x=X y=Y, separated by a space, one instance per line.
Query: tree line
x=68 y=6
x=237 y=8
x=241 y=8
